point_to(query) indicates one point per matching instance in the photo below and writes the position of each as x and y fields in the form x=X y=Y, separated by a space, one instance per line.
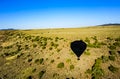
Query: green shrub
x=87 y=40
x=68 y=60
x=112 y=58
x=58 y=50
x=113 y=69
x=29 y=77
x=112 y=47
x=88 y=71
x=108 y=38
x=87 y=53
x=43 y=47
x=29 y=60
x=56 y=39
x=55 y=74
x=104 y=59
x=96 y=70
x=52 y=61
x=71 y=67
x=116 y=44
x=34 y=45
x=60 y=65
x=56 y=45
x=34 y=70
x=41 y=73
x=37 y=60
x=117 y=39
x=50 y=48
x=41 y=60
x=112 y=52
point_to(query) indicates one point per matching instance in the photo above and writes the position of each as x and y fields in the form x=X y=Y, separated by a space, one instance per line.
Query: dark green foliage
x=37 y=38
x=55 y=74
x=53 y=44
x=112 y=47
x=34 y=45
x=19 y=47
x=8 y=47
x=96 y=71
x=56 y=39
x=37 y=60
x=58 y=50
x=41 y=74
x=104 y=59
x=112 y=52
x=52 y=61
x=34 y=70
x=88 y=71
x=60 y=65
x=10 y=53
x=87 y=40
x=29 y=77
x=113 y=69
x=117 y=39
x=95 y=44
x=50 y=48
x=29 y=60
x=68 y=60
x=112 y=58
x=117 y=44
x=108 y=38
x=87 y=52
x=26 y=47
x=41 y=60
x=71 y=67
x=43 y=47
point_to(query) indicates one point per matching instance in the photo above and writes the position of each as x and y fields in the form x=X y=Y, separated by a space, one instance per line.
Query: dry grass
x=22 y=40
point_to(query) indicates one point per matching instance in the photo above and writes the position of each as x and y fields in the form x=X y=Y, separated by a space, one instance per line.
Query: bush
x=68 y=60
x=58 y=50
x=104 y=59
x=113 y=69
x=52 y=61
x=41 y=74
x=116 y=44
x=112 y=58
x=34 y=70
x=37 y=60
x=50 y=48
x=71 y=67
x=87 y=40
x=29 y=60
x=41 y=60
x=43 y=47
x=112 y=47
x=60 y=65
x=117 y=39
x=55 y=74
x=29 y=77
x=34 y=45
x=87 y=53
x=112 y=52
x=108 y=38
x=96 y=70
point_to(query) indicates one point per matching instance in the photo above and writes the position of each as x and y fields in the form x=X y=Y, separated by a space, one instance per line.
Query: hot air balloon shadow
x=78 y=47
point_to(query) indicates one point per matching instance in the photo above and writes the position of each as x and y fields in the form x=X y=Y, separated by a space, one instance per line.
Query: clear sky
x=28 y=14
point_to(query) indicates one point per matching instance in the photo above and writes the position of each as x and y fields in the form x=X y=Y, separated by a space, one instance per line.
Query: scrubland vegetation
x=46 y=54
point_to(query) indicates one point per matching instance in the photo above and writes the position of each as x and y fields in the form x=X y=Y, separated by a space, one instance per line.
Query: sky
x=42 y=14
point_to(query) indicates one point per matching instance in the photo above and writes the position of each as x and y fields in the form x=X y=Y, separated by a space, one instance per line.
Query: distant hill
x=115 y=24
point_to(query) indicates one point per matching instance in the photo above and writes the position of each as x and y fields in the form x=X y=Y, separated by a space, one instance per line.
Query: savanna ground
x=46 y=53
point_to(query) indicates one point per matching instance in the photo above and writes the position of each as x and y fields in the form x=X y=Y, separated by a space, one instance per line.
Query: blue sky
x=32 y=14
